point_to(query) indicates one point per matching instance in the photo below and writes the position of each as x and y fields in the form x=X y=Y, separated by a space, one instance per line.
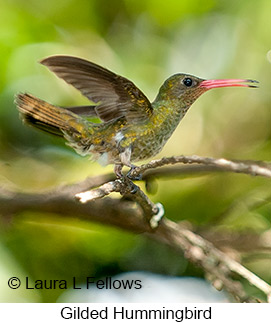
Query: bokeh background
x=145 y=41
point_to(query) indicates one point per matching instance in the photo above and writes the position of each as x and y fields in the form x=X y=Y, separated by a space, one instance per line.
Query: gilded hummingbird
x=132 y=127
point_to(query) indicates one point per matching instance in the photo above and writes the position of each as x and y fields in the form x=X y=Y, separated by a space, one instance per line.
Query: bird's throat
x=168 y=114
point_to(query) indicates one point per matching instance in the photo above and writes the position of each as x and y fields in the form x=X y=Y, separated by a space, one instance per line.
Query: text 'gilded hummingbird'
x=133 y=129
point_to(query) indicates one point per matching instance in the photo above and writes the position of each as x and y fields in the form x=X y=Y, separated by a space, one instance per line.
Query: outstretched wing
x=114 y=95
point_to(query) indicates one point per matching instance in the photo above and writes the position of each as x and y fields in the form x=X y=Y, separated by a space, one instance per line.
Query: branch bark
x=255 y=168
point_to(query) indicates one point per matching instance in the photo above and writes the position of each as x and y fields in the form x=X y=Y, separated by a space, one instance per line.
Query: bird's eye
x=187 y=81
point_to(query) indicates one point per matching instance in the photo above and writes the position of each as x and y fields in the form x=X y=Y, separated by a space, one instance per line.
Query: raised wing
x=114 y=95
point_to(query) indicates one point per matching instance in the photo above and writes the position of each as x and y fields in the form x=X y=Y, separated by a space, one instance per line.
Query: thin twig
x=201 y=251
x=100 y=192
x=246 y=167
x=153 y=212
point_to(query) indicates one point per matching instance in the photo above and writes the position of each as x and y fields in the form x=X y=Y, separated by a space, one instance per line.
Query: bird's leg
x=118 y=170
x=125 y=158
x=119 y=174
x=125 y=152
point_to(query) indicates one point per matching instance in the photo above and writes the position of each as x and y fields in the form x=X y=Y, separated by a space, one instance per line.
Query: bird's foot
x=131 y=187
x=134 y=188
x=125 y=179
x=134 y=178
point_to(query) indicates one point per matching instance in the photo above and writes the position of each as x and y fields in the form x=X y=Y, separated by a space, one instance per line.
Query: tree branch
x=218 y=266
x=211 y=164
x=132 y=212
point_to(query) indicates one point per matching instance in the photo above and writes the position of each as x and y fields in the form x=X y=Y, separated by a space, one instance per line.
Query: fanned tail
x=47 y=117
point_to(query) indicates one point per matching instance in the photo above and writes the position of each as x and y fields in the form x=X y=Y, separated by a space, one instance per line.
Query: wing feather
x=113 y=95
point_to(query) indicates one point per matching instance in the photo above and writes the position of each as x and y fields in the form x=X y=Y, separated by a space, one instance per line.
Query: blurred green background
x=145 y=41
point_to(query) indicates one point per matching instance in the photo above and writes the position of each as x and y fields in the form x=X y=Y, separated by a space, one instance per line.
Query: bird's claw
x=134 y=188
x=119 y=174
x=134 y=178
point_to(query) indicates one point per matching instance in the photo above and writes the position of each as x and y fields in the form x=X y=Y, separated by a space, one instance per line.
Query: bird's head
x=187 y=88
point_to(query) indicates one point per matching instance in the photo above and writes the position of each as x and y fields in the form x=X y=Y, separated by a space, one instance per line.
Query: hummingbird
x=131 y=128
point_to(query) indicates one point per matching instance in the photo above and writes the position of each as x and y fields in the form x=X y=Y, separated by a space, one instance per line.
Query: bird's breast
x=151 y=137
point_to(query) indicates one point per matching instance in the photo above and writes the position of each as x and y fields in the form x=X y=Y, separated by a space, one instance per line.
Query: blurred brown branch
x=135 y=210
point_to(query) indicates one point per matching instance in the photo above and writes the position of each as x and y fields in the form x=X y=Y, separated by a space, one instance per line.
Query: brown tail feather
x=45 y=116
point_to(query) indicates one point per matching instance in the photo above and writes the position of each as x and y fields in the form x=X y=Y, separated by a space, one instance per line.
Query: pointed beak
x=211 y=84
